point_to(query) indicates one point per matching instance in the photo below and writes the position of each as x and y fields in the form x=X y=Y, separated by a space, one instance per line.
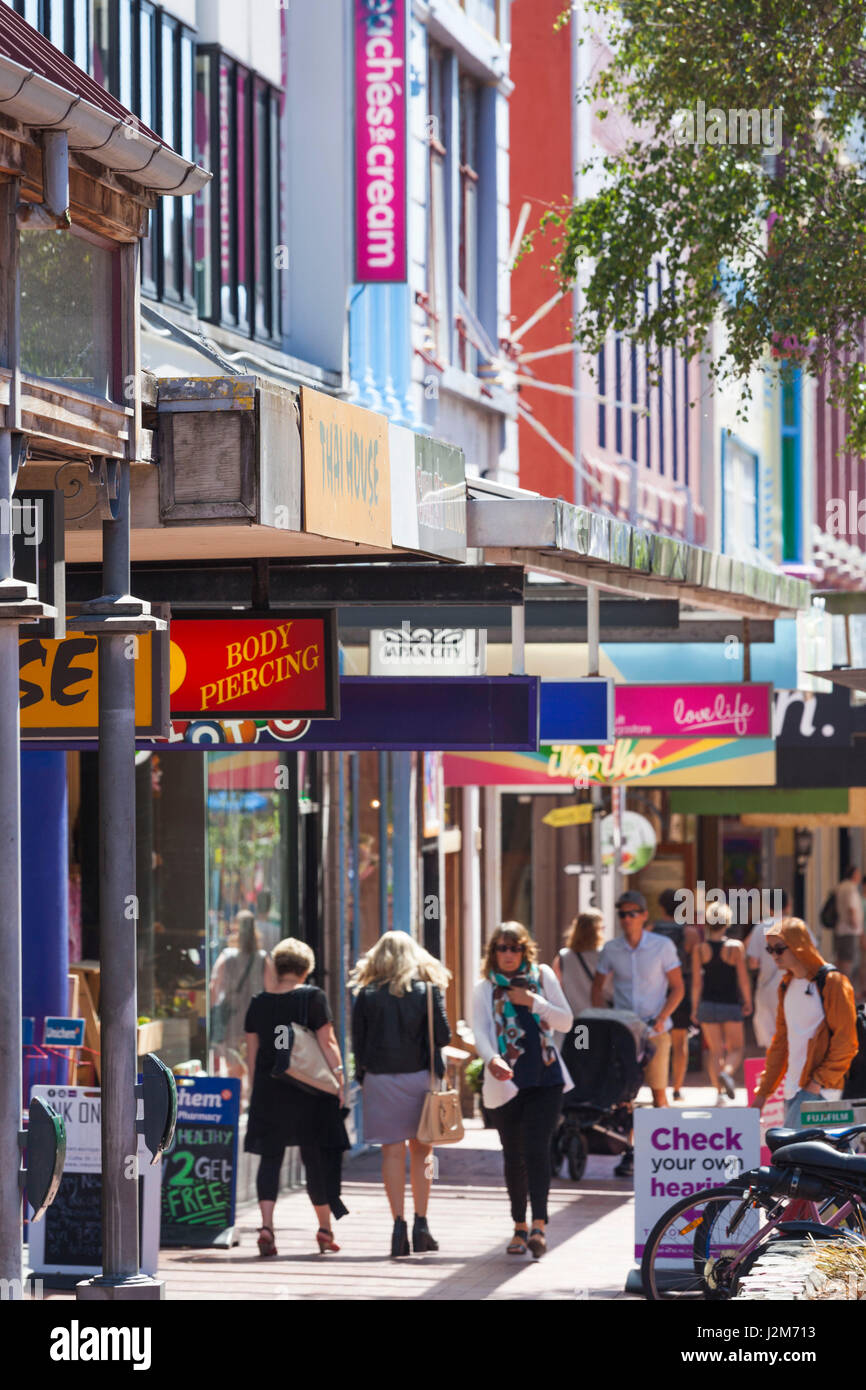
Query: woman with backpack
x=816 y=1037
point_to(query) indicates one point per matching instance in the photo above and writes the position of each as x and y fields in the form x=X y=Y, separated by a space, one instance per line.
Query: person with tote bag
x=395 y=985
x=517 y=1006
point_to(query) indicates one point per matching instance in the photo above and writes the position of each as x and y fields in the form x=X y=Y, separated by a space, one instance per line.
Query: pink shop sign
x=689 y=711
x=380 y=141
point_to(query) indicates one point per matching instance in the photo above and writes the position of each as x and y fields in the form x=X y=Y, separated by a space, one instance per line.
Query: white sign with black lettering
x=681 y=1152
x=68 y=1239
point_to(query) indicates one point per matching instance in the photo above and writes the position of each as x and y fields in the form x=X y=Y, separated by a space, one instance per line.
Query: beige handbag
x=441 y=1120
x=303 y=1063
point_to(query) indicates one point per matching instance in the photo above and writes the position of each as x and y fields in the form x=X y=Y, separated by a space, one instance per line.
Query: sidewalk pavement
x=590 y=1238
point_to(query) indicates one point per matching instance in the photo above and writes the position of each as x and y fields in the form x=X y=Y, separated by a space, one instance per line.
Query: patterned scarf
x=509 y=1033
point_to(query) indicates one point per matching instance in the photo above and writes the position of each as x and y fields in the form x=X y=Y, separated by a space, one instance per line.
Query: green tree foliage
x=773 y=245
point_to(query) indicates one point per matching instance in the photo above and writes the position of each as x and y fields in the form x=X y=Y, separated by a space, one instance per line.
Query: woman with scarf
x=517 y=1007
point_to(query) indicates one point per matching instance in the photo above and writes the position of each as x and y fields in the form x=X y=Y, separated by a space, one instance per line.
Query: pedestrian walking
x=685 y=937
x=575 y=965
x=765 y=995
x=815 y=1040
x=517 y=1005
x=390 y=1039
x=240 y=972
x=721 y=998
x=282 y=1115
x=647 y=980
x=848 y=933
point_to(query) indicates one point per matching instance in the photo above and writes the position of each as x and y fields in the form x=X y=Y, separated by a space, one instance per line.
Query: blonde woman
x=576 y=964
x=392 y=1062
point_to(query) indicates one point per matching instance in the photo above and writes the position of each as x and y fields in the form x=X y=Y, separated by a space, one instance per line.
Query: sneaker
x=625 y=1167
x=728 y=1082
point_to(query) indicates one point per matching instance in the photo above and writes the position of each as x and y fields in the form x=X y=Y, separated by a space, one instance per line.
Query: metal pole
x=10 y=917
x=593 y=624
x=518 y=641
x=383 y=842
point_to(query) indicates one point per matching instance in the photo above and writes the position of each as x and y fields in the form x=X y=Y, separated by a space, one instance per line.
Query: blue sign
x=577 y=711
x=63 y=1032
x=199 y=1171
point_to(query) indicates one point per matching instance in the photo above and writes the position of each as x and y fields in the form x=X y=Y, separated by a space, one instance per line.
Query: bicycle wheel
x=691 y=1252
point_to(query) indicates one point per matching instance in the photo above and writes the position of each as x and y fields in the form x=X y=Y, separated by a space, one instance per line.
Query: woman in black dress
x=282 y=1115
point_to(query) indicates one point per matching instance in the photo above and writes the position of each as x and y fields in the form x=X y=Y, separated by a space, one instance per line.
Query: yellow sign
x=347 y=470
x=60 y=686
x=570 y=815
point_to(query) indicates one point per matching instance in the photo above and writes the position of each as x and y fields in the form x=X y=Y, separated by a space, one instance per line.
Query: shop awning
x=578 y=545
x=741 y=801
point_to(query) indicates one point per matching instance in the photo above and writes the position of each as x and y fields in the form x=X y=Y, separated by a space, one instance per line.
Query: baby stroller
x=605 y=1053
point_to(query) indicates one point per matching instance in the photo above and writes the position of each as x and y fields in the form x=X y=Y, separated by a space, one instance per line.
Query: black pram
x=605 y=1052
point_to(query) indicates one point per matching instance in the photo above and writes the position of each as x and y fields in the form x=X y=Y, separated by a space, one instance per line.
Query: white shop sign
x=428 y=651
x=68 y=1239
x=681 y=1152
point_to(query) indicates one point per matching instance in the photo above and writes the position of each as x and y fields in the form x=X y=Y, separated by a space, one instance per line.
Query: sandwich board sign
x=200 y=1169
x=67 y=1242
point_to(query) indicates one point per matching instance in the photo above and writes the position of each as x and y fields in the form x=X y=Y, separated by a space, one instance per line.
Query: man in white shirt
x=849 y=923
x=647 y=978
x=769 y=975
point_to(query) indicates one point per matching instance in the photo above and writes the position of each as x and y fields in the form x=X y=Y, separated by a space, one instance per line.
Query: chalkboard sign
x=67 y=1242
x=199 y=1172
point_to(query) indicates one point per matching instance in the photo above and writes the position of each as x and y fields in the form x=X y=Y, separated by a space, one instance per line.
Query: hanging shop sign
x=428 y=494
x=381 y=85
x=199 y=1182
x=279 y=665
x=347 y=477
x=68 y=1240
x=682 y=1153
x=427 y=651
x=60 y=686
x=802 y=719
x=573 y=711
x=707 y=762
x=407 y=713
x=638 y=842
x=689 y=711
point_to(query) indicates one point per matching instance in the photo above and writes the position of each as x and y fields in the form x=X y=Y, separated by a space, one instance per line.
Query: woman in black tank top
x=721 y=997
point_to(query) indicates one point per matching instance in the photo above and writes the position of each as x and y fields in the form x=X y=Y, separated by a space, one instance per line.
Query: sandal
x=325 y=1241
x=518 y=1241
x=267 y=1244
x=537 y=1242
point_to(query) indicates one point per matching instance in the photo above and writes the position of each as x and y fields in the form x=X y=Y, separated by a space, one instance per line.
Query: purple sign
x=380 y=141
x=689 y=711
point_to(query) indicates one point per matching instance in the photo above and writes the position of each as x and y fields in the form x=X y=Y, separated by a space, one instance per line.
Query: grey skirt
x=393 y=1105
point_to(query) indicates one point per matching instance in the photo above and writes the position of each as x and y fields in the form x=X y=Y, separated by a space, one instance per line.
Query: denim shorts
x=709 y=1012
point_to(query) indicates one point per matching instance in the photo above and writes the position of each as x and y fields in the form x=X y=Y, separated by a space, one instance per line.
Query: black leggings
x=526 y=1126
x=323 y=1170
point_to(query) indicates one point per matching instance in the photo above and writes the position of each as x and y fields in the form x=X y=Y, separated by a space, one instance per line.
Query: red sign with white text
x=279 y=666
x=691 y=711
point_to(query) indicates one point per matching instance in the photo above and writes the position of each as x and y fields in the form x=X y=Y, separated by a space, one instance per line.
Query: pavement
x=590 y=1238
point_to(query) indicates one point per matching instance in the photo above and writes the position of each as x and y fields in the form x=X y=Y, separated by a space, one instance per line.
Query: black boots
x=421 y=1237
x=399 y=1239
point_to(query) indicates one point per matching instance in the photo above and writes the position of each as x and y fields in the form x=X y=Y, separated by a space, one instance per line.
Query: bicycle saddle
x=778 y=1137
x=823 y=1158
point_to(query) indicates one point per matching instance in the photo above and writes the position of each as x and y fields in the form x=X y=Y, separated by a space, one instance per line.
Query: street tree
x=745 y=175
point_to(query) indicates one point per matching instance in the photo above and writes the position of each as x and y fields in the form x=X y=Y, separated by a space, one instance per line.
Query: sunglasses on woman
x=775 y=950
x=503 y=948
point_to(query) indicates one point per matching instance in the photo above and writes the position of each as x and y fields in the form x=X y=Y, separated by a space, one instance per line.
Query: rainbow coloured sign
x=671 y=762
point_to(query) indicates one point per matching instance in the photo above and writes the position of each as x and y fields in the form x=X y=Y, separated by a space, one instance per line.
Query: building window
x=237 y=225
x=67 y=311
x=65 y=23
x=437 y=226
x=739 y=498
x=792 y=550
x=602 y=404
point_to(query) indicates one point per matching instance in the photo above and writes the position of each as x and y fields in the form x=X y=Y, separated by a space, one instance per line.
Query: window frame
x=734 y=447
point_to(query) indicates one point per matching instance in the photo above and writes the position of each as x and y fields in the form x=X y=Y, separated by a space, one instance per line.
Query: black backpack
x=829 y=915
x=855 y=1082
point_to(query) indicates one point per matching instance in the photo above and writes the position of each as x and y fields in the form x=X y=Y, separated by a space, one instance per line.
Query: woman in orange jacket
x=815 y=1040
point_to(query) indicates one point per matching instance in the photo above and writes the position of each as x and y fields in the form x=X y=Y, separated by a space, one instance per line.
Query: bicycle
x=813 y=1187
